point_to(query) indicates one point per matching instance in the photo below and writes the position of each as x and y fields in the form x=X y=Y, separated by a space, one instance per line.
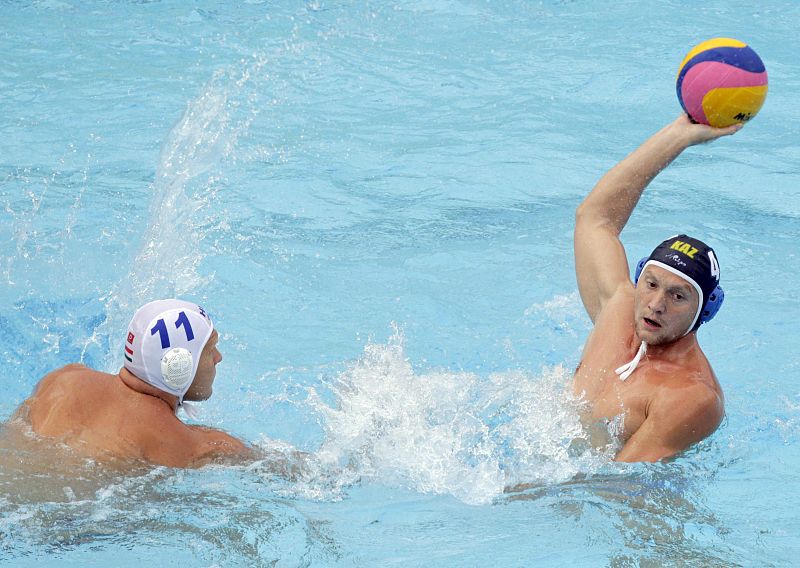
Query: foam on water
x=456 y=433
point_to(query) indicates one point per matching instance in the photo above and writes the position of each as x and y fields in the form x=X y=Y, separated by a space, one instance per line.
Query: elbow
x=580 y=212
x=590 y=217
x=585 y=214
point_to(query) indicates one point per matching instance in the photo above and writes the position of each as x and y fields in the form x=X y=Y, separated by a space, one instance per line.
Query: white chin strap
x=628 y=368
x=190 y=410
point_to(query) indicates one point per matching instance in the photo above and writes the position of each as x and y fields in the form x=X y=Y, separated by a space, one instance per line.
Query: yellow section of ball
x=726 y=106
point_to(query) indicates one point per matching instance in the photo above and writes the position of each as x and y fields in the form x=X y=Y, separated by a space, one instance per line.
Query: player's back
x=93 y=412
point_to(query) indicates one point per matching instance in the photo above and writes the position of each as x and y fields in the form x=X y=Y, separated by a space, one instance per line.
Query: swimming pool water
x=375 y=202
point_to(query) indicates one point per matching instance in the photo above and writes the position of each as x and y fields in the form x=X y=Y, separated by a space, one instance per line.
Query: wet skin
x=121 y=417
x=672 y=399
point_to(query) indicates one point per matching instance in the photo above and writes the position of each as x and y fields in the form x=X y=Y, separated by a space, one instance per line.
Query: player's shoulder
x=168 y=441
x=211 y=443
x=691 y=394
x=64 y=377
x=688 y=413
x=73 y=371
x=699 y=391
x=697 y=383
x=160 y=435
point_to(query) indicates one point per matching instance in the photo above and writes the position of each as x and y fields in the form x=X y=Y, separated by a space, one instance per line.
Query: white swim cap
x=164 y=343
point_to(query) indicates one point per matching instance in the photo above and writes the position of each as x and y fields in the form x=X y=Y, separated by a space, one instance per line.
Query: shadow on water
x=646 y=514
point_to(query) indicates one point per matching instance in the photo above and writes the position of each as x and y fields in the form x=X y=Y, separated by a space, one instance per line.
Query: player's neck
x=138 y=385
x=673 y=351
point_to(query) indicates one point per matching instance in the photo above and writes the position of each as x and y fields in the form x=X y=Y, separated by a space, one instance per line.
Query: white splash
x=167 y=262
x=563 y=312
x=452 y=432
x=561 y=304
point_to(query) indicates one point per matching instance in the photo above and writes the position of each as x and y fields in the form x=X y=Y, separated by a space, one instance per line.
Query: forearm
x=634 y=452
x=613 y=199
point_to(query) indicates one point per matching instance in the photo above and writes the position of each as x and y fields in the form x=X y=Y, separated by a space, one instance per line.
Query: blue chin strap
x=713 y=304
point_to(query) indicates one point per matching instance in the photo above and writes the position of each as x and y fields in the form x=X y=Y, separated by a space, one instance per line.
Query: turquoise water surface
x=375 y=203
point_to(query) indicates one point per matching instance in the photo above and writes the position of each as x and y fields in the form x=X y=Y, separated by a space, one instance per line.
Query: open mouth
x=651 y=323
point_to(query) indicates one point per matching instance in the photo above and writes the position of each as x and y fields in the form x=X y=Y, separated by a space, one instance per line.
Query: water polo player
x=170 y=357
x=642 y=359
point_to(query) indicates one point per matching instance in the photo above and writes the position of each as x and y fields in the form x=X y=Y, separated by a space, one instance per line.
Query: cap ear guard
x=177 y=367
x=639 y=268
x=713 y=304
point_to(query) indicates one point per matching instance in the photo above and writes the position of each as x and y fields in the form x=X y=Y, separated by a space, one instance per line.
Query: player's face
x=665 y=306
x=203 y=383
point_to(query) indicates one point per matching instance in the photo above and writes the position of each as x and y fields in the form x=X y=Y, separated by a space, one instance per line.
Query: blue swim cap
x=695 y=262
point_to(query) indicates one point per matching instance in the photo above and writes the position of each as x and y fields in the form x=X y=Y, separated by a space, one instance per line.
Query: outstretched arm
x=213 y=445
x=174 y=444
x=600 y=262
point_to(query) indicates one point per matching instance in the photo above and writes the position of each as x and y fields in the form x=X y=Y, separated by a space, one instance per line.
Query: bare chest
x=610 y=346
x=597 y=383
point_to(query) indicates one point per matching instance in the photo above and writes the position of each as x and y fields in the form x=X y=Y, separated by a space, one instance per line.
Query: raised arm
x=600 y=262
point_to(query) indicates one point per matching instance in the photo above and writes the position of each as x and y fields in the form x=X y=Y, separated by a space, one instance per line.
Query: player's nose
x=657 y=302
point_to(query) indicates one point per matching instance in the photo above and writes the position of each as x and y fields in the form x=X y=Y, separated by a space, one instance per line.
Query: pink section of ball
x=709 y=75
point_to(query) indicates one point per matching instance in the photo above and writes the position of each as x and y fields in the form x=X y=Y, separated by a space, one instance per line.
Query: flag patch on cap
x=128 y=350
